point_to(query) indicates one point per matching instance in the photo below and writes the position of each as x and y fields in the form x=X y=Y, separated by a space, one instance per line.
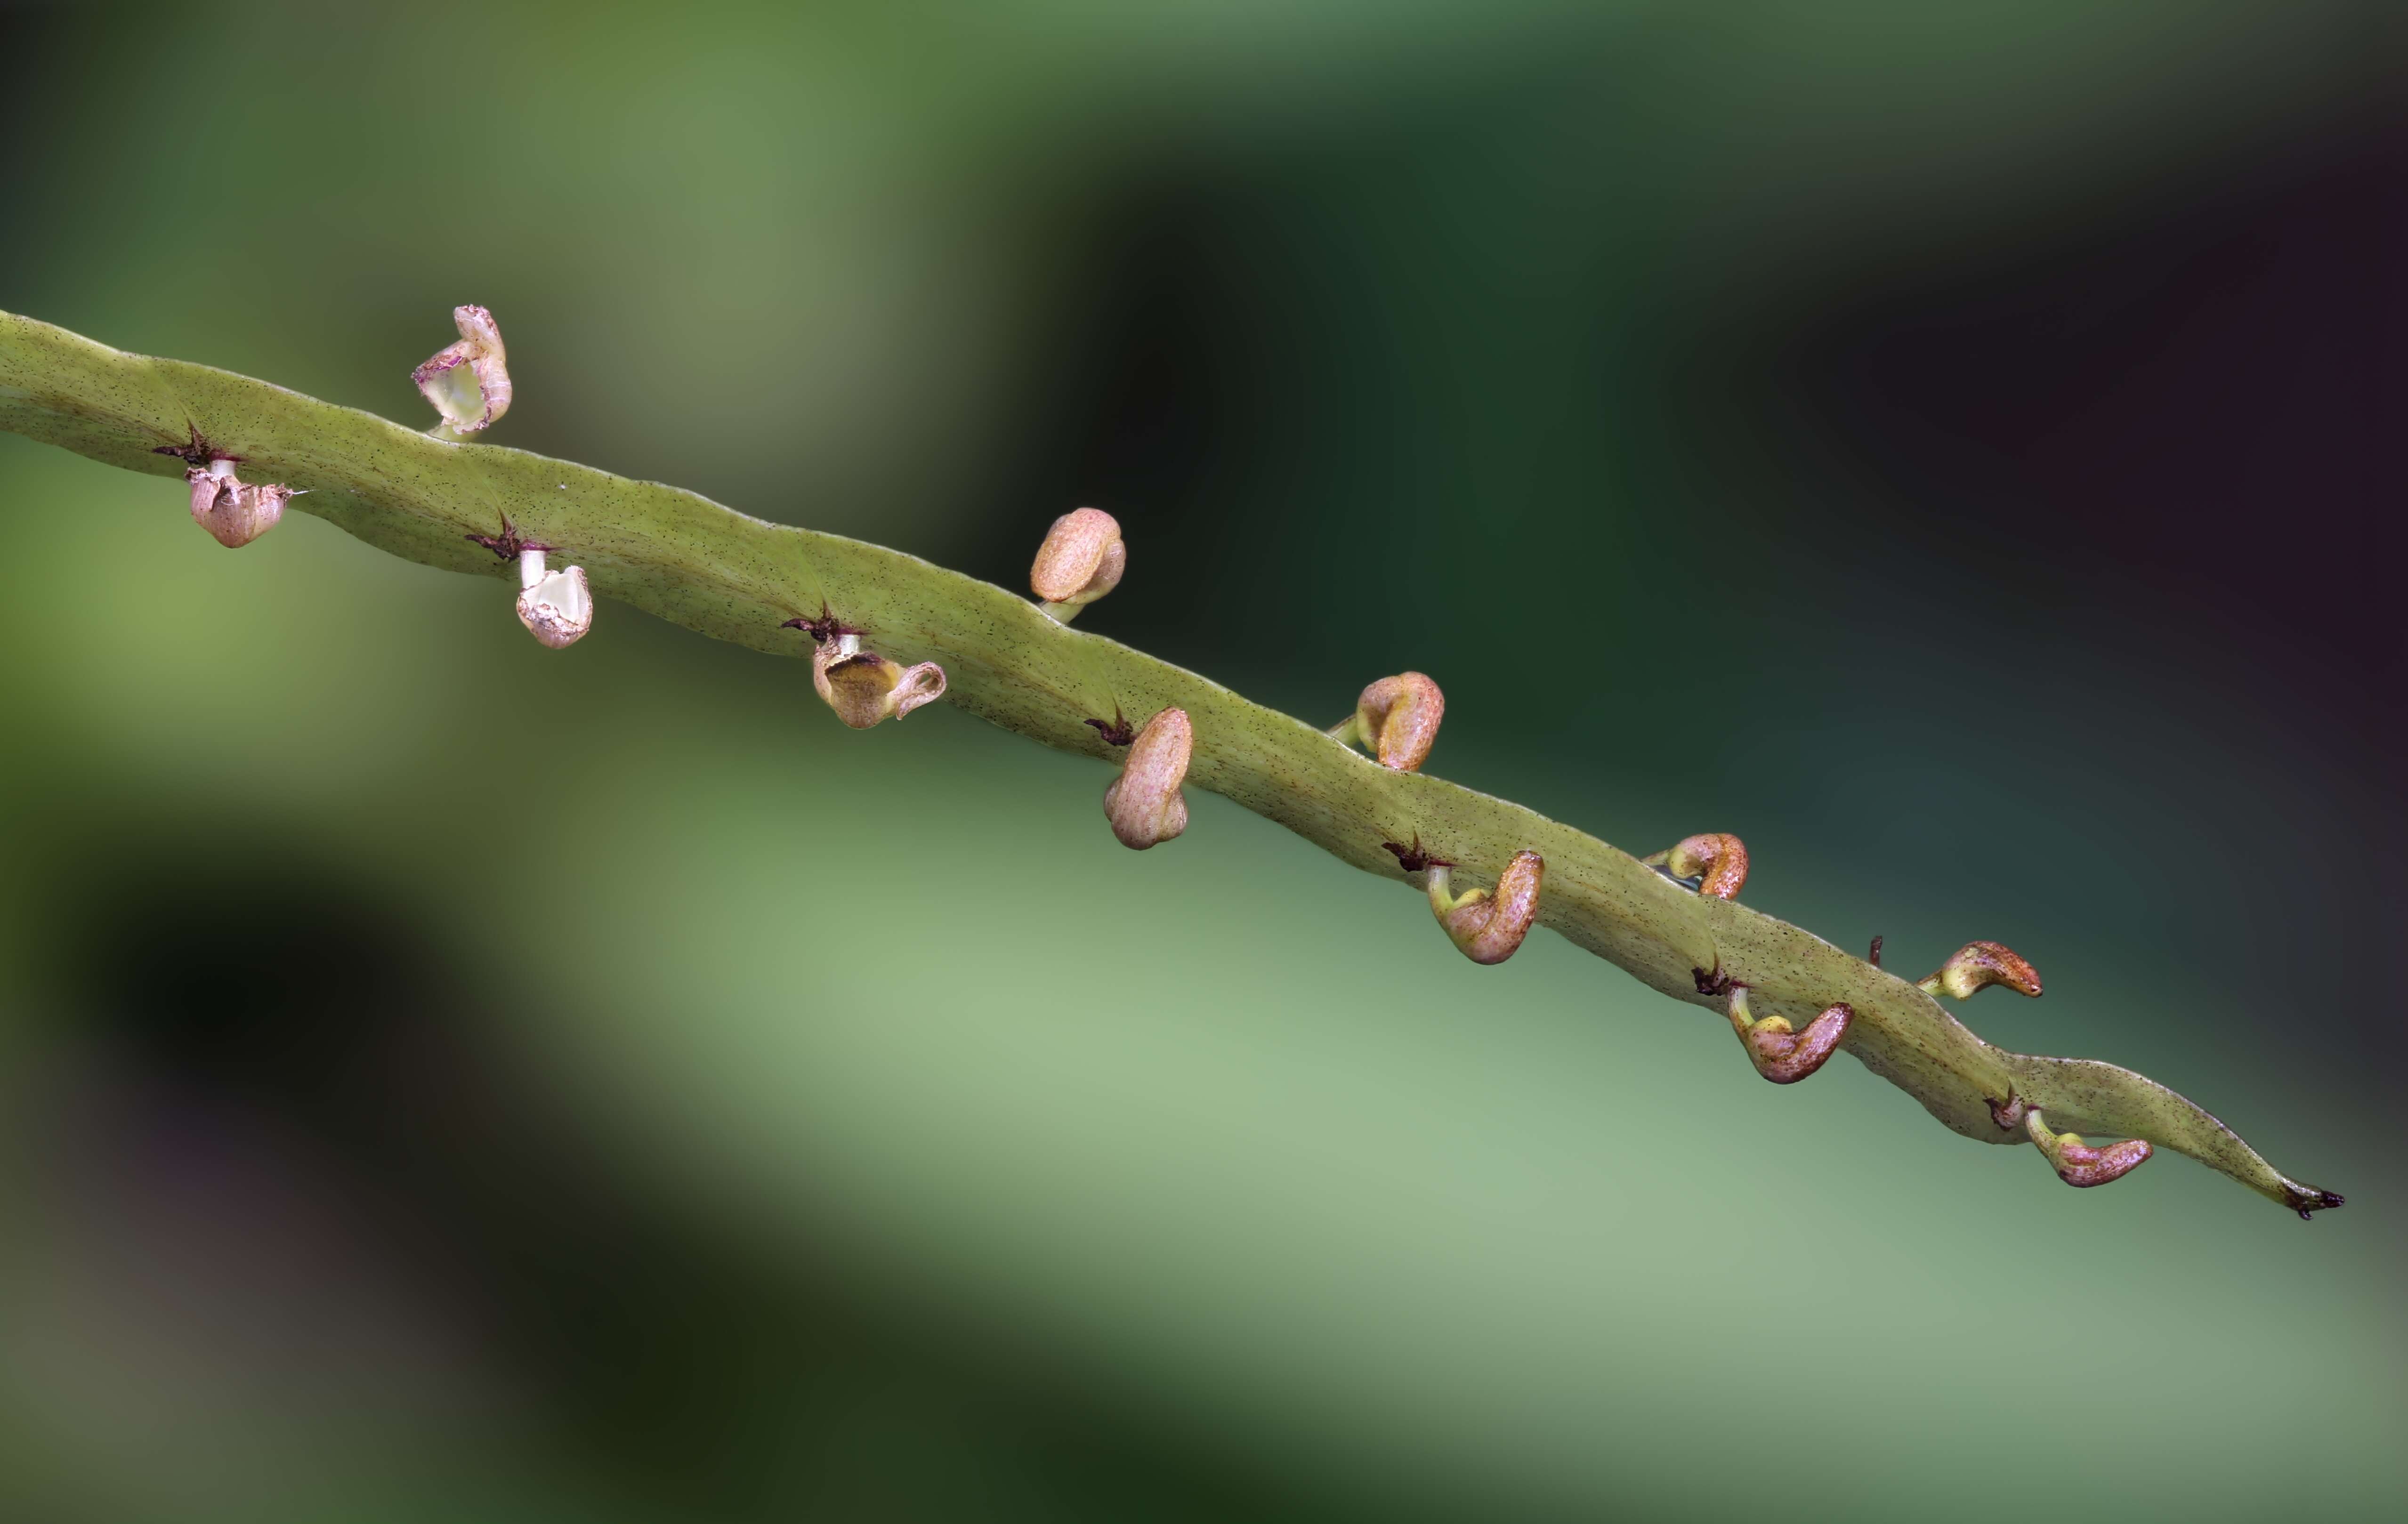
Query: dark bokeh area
x=1948 y=445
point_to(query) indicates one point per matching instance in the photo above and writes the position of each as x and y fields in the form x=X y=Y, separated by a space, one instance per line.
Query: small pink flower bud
x=1488 y=928
x=1396 y=719
x=557 y=607
x=1145 y=803
x=2077 y=1164
x=1082 y=559
x=1718 y=859
x=468 y=382
x=1780 y=1053
x=233 y=512
x=864 y=688
x=1978 y=965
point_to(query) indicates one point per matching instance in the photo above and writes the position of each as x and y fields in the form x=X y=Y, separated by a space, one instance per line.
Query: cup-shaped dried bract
x=557 y=607
x=2078 y=1164
x=1978 y=965
x=1082 y=559
x=233 y=512
x=1489 y=927
x=1716 y=859
x=468 y=382
x=1145 y=803
x=1780 y=1054
x=864 y=688
x=1396 y=719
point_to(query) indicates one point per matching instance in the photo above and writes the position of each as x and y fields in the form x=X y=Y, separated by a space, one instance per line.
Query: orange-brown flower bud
x=468 y=382
x=1780 y=1054
x=1396 y=719
x=1145 y=803
x=1716 y=860
x=864 y=688
x=1976 y=966
x=2079 y=1165
x=1082 y=559
x=1489 y=927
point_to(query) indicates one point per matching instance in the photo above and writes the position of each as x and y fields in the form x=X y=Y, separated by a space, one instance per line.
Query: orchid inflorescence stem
x=892 y=632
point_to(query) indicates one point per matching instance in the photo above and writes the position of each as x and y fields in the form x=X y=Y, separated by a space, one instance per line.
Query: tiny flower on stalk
x=1781 y=1053
x=864 y=688
x=1487 y=927
x=1144 y=805
x=557 y=607
x=1082 y=559
x=1716 y=860
x=1396 y=719
x=468 y=382
x=2076 y=1163
x=233 y=512
x=1976 y=966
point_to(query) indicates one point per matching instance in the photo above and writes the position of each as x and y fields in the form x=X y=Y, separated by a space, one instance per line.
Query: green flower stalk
x=892 y=631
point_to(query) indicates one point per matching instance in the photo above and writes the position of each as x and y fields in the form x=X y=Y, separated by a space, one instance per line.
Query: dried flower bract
x=468 y=382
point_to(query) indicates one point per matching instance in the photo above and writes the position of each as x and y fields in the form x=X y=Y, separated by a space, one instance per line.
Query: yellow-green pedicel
x=688 y=560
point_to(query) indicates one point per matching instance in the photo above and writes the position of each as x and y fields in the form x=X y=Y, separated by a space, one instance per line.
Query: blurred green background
x=449 y=1080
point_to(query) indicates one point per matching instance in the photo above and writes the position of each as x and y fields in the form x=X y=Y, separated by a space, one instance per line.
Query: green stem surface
x=689 y=561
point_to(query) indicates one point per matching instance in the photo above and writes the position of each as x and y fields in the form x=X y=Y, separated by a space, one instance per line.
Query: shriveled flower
x=557 y=607
x=1082 y=559
x=1978 y=965
x=1396 y=719
x=864 y=688
x=1489 y=927
x=233 y=512
x=1145 y=803
x=1716 y=860
x=468 y=382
